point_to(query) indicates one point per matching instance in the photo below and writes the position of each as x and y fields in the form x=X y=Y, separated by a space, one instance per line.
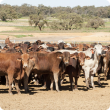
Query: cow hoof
x=100 y=85
x=93 y=87
x=44 y=86
x=36 y=82
x=51 y=89
x=14 y=88
x=11 y=93
x=19 y=93
x=76 y=89
x=7 y=85
x=105 y=79
x=87 y=88
x=61 y=82
x=27 y=91
x=58 y=91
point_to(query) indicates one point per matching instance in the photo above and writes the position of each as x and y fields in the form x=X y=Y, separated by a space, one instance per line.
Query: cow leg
x=87 y=77
x=99 y=79
x=71 y=80
x=17 y=86
x=13 y=86
x=36 y=79
x=10 y=78
x=7 y=81
x=26 y=87
x=44 y=86
x=63 y=76
x=105 y=73
x=56 y=81
x=51 y=85
x=76 y=79
x=108 y=73
x=92 y=81
x=45 y=78
x=105 y=68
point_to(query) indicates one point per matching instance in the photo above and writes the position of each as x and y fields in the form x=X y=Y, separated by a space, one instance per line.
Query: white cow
x=90 y=66
x=87 y=52
x=60 y=41
x=44 y=46
x=68 y=44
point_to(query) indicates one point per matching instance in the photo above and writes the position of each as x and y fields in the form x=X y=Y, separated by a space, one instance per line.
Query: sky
x=55 y=3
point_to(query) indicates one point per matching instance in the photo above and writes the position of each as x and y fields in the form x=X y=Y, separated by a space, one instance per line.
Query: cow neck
x=95 y=55
x=95 y=60
x=92 y=56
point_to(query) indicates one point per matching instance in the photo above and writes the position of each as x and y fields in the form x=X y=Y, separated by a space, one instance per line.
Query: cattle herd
x=47 y=63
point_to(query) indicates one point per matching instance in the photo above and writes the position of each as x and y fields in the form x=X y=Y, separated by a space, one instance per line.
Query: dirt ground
x=39 y=98
x=54 y=37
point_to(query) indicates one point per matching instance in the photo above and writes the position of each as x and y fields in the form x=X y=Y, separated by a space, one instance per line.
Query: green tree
x=37 y=20
x=95 y=23
x=7 y=12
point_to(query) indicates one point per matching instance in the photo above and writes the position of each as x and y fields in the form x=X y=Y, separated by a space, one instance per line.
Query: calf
x=13 y=65
x=53 y=63
x=90 y=66
x=74 y=68
x=106 y=61
x=61 y=46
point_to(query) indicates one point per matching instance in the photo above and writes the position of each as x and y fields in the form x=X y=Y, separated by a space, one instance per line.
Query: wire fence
x=74 y=42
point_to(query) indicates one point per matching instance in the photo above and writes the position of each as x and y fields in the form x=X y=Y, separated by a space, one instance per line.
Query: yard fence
x=74 y=42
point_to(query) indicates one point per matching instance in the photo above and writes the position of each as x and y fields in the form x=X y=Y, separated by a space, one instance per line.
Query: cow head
x=82 y=57
x=98 y=49
x=65 y=56
x=105 y=49
x=25 y=60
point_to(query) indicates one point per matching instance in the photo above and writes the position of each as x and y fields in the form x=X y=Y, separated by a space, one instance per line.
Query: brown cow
x=106 y=61
x=80 y=47
x=74 y=67
x=7 y=41
x=52 y=63
x=61 y=46
x=13 y=65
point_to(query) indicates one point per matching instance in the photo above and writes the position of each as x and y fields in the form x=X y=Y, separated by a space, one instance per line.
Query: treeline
x=69 y=18
x=26 y=10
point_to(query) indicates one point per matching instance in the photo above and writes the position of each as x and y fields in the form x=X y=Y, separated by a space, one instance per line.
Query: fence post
x=74 y=43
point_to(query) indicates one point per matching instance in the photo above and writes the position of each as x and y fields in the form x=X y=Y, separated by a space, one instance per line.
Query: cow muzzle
x=25 y=66
x=99 y=54
x=66 y=63
x=81 y=64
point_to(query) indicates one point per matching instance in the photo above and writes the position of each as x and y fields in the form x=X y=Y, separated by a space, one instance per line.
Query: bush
x=8 y=12
x=67 y=22
x=95 y=23
x=37 y=20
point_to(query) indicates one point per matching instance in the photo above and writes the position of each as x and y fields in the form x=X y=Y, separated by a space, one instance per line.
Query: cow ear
x=87 y=57
x=19 y=59
x=74 y=56
x=105 y=49
x=32 y=58
x=17 y=47
x=60 y=56
x=92 y=50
